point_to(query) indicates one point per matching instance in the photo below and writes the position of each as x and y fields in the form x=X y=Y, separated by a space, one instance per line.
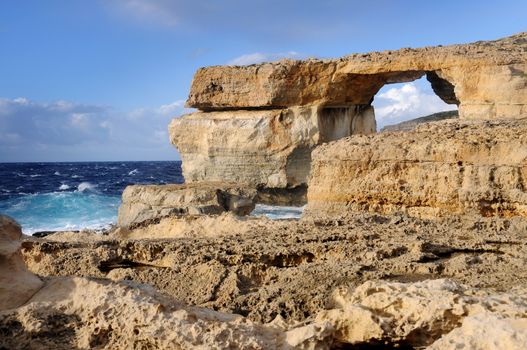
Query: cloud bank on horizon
x=35 y=131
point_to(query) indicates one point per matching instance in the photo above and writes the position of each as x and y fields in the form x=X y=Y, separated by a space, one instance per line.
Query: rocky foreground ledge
x=314 y=284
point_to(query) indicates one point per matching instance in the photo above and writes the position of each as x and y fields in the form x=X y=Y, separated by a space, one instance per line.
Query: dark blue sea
x=73 y=196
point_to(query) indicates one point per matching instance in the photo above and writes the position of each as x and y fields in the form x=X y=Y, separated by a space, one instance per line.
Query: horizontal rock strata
x=443 y=168
x=268 y=149
x=147 y=203
x=258 y=124
x=487 y=79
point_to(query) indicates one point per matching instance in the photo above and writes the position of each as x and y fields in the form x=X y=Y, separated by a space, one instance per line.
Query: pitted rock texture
x=417 y=314
x=261 y=268
x=80 y=313
x=439 y=169
x=17 y=285
x=485 y=332
x=268 y=149
x=486 y=78
x=146 y=203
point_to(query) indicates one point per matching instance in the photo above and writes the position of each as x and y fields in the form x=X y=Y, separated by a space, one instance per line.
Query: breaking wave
x=58 y=211
x=86 y=186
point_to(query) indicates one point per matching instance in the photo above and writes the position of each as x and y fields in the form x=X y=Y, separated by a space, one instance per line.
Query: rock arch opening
x=402 y=105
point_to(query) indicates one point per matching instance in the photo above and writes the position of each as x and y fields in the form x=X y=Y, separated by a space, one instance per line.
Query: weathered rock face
x=262 y=148
x=263 y=268
x=417 y=314
x=485 y=331
x=338 y=276
x=81 y=313
x=487 y=79
x=17 y=285
x=442 y=168
x=260 y=122
x=146 y=203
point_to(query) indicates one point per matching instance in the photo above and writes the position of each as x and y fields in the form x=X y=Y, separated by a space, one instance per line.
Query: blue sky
x=101 y=79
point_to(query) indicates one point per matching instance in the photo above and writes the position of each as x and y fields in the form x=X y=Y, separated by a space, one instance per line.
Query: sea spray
x=86 y=186
x=87 y=195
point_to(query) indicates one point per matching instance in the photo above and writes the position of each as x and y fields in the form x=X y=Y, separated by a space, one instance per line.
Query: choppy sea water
x=73 y=196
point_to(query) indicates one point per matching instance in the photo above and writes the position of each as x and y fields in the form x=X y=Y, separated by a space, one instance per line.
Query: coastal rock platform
x=143 y=204
x=335 y=275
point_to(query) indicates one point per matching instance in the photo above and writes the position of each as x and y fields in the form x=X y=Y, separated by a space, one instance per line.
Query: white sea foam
x=64 y=187
x=275 y=212
x=75 y=176
x=35 y=175
x=57 y=173
x=133 y=172
x=58 y=211
x=86 y=186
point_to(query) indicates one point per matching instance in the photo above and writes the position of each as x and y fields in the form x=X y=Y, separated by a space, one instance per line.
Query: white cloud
x=407 y=102
x=21 y=101
x=28 y=128
x=172 y=108
x=258 y=57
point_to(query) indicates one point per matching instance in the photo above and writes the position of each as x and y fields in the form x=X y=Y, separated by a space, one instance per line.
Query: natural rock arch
x=254 y=120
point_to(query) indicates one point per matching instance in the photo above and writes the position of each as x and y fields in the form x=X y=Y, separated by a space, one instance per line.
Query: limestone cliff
x=258 y=124
x=264 y=148
x=486 y=78
x=457 y=167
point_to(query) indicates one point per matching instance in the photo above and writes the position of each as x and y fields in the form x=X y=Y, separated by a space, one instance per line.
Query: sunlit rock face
x=143 y=204
x=268 y=149
x=454 y=167
x=17 y=285
x=258 y=124
x=487 y=79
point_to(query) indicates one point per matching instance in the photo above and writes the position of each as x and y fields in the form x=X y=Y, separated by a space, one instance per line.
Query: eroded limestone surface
x=83 y=313
x=456 y=167
x=17 y=285
x=486 y=78
x=262 y=268
x=320 y=282
x=142 y=204
x=267 y=149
